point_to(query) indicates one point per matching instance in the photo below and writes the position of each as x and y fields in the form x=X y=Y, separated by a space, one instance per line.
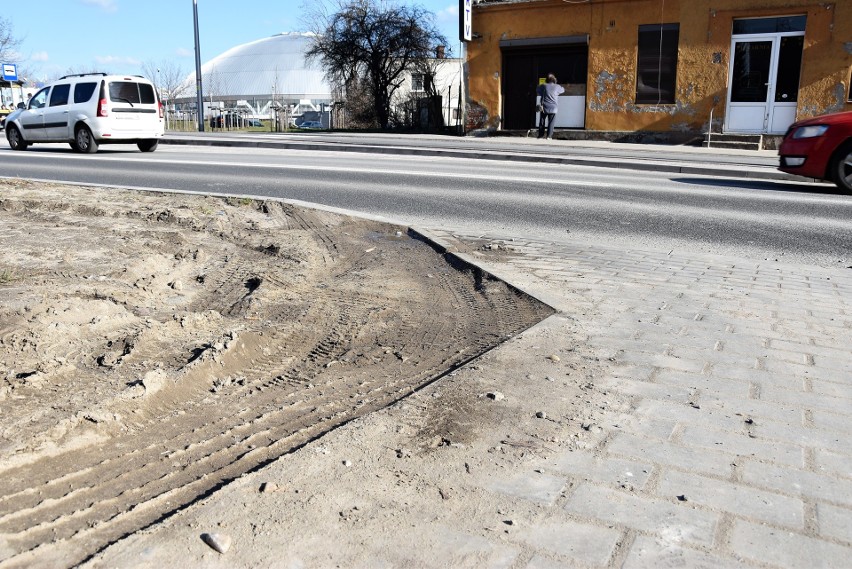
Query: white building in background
x=447 y=83
x=248 y=78
x=256 y=78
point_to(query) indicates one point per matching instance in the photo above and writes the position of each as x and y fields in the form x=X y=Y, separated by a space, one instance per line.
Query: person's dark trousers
x=549 y=117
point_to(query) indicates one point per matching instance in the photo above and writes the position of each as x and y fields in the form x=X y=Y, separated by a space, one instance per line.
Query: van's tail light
x=161 y=109
x=102 y=102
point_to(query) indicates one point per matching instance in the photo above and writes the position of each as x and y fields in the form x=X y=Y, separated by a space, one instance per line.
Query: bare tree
x=169 y=77
x=8 y=42
x=371 y=45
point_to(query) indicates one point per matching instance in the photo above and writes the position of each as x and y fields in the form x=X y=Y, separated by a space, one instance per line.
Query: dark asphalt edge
x=463 y=261
x=615 y=163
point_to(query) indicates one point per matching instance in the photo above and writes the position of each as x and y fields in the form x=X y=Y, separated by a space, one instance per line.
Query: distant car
x=253 y=122
x=88 y=110
x=820 y=148
x=311 y=124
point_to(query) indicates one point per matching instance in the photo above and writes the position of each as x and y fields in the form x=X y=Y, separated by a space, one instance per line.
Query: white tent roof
x=263 y=67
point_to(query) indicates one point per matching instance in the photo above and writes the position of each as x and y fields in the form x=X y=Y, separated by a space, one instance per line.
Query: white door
x=764 y=82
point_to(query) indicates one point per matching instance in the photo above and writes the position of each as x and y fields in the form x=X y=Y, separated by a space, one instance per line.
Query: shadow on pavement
x=771 y=185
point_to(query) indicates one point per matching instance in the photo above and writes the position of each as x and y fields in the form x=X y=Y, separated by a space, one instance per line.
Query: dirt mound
x=156 y=346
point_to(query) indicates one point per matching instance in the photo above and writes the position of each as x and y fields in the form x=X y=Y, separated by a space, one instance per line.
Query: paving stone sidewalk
x=740 y=379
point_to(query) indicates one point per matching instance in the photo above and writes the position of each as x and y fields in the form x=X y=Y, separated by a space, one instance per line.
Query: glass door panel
x=789 y=69
x=752 y=64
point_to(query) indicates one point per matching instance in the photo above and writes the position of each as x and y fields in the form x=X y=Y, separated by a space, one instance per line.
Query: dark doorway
x=524 y=67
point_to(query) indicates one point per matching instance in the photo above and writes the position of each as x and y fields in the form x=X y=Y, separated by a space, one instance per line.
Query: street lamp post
x=199 y=97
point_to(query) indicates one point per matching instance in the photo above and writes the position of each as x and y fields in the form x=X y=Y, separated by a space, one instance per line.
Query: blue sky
x=118 y=36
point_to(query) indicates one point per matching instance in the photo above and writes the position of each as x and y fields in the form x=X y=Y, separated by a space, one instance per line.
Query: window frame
x=652 y=63
x=31 y=104
x=59 y=89
x=422 y=78
x=849 y=83
x=80 y=88
x=143 y=93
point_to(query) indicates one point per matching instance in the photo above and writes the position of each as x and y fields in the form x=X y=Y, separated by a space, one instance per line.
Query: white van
x=88 y=110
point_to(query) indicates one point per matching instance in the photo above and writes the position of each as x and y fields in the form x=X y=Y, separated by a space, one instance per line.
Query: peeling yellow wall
x=703 y=56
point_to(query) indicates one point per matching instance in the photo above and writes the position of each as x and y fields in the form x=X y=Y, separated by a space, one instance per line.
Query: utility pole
x=199 y=97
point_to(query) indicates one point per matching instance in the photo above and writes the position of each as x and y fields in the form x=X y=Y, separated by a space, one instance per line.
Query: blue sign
x=10 y=72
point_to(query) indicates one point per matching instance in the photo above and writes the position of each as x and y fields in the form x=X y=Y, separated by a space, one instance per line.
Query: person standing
x=549 y=93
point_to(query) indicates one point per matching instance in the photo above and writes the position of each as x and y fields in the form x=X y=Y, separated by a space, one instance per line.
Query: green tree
x=367 y=46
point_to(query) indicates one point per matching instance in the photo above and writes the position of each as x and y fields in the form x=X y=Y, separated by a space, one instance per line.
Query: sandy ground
x=154 y=348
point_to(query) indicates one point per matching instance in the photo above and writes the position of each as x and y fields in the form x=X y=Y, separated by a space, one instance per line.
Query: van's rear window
x=132 y=92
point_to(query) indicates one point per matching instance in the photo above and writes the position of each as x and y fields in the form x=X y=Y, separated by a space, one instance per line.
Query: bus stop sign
x=10 y=72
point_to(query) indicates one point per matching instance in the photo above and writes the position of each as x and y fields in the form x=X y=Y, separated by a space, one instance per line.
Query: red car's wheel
x=841 y=167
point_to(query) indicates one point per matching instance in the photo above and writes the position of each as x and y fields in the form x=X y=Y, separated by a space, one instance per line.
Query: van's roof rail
x=82 y=75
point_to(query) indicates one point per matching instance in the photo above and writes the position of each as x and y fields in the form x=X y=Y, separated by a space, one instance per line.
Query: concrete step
x=739 y=141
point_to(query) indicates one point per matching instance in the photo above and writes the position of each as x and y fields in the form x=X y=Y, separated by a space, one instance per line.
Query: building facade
x=676 y=66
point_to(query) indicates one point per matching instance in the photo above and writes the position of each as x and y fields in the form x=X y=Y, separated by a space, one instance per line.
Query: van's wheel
x=841 y=167
x=148 y=145
x=16 y=141
x=84 y=141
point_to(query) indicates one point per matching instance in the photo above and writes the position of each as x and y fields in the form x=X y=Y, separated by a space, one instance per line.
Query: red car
x=820 y=148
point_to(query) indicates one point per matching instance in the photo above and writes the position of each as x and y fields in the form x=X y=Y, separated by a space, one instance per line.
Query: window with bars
x=656 y=65
x=418 y=82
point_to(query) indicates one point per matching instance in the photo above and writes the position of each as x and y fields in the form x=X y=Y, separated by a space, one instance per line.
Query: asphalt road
x=773 y=220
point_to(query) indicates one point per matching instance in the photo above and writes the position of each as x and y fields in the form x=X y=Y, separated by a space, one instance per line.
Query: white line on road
x=342 y=169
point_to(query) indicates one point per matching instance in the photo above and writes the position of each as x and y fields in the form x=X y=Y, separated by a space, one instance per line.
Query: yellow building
x=666 y=66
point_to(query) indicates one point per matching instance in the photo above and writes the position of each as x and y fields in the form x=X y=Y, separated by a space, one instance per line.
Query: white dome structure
x=255 y=74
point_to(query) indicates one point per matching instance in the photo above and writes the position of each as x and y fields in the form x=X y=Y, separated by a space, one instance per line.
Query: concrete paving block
x=807 y=437
x=656 y=359
x=708 y=385
x=818 y=367
x=659 y=553
x=775 y=360
x=649 y=410
x=741 y=444
x=783 y=548
x=581 y=542
x=652 y=427
x=794 y=482
x=613 y=472
x=745 y=370
x=832 y=421
x=834 y=463
x=670 y=454
x=531 y=486
x=833 y=389
x=670 y=520
x=835 y=522
x=652 y=390
x=836 y=341
x=804 y=399
x=808 y=348
x=757 y=409
x=734 y=498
